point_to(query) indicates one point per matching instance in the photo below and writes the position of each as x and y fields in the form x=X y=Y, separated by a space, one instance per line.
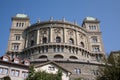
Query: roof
x=51 y=62
x=91 y=19
x=21 y=15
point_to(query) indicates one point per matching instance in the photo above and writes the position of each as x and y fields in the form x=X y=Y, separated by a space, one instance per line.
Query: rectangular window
x=15 y=46
x=17 y=36
x=24 y=74
x=22 y=24
x=1 y=70
x=12 y=72
x=17 y=24
x=52 y=68
x=94 y=39
x=96 y=49
x=15 y=72
x=77 y=71
x=5 y=71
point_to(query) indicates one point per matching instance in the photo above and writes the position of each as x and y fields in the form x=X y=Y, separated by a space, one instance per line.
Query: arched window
x=82 y=44
x=42 y=57
x=32 y=42
x=58 y=39
x=44 y=40
x=73 y=57
x=71 y=41
x=58 y=56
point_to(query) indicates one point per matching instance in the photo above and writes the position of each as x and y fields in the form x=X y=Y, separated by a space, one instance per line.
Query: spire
x=51 y=18
x=63 y=19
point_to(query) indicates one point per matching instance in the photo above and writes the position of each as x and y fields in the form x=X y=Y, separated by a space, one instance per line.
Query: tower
x=16 y=39
x=94 y=37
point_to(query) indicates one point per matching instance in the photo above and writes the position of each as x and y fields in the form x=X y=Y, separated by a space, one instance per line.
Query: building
x=15 y=69
x=53 y=67
x=77 y=49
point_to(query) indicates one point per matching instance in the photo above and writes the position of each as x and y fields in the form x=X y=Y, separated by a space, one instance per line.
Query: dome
x=90 y=19
x=21 y=15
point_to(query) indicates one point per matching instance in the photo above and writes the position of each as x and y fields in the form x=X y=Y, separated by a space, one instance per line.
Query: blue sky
x=107 y=11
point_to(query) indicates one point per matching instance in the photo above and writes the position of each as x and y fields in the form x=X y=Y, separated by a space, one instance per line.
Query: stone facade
x=78 y=49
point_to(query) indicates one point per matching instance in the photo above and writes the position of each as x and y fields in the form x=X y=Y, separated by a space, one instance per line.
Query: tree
x=42 y=75
x=78 y=79
x=6 y=78
x=111 y=71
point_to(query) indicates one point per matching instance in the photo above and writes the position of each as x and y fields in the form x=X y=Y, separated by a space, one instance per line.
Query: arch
x=58 y=39
x=58 y=56
x=32 y=42
x=82 y=44
x=43 y=57
x=73 y=57
x=71 y=41
x=44 y=40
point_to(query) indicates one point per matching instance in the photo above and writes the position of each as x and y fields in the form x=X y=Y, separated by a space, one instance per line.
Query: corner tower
x=92 y=25
x=16 y=40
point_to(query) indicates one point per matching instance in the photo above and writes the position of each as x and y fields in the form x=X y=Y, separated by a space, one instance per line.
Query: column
x=38 y=36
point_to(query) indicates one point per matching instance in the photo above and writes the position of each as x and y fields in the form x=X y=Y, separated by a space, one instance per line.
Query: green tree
x=111 y=71
x=78 y=79
x=6 y=78
x=42 y=75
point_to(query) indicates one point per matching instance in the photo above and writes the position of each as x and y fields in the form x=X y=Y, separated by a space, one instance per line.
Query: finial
x=51 y=18
x=63 y=19
x=75 y=22
x=38 y=20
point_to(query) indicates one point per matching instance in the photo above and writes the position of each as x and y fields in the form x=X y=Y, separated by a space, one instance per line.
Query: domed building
x=74 y=48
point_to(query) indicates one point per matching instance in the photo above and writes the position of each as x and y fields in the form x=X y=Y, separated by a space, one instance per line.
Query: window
x=45 y=49
x=44 y=40
x=82 y=44
x=16 y=61
x=12 y=72
x=1 y=70
x=52 y=68
x=15 y=72
x=17 y=24
x=58 y=49
x=96 y=49
x=94 y=39
x=24 y=74
x=58 y=56
x=77 y=71
x=43 y=57
x=73 y=57
x=17 y=37
x=71 y=41
x=5 y=71
x=58 y=39
x=93 y=27
x=22 y=24
x=15 y=46
x=5 y=59
x=27 y=63
x=95 y=72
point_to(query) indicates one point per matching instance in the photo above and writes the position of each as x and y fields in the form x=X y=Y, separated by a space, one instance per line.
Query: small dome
x=90 y=19
x=21 y=15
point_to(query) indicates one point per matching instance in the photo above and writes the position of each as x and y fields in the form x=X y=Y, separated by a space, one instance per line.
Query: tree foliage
x=111 y=71
x=6 y=78
x=42 y=75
